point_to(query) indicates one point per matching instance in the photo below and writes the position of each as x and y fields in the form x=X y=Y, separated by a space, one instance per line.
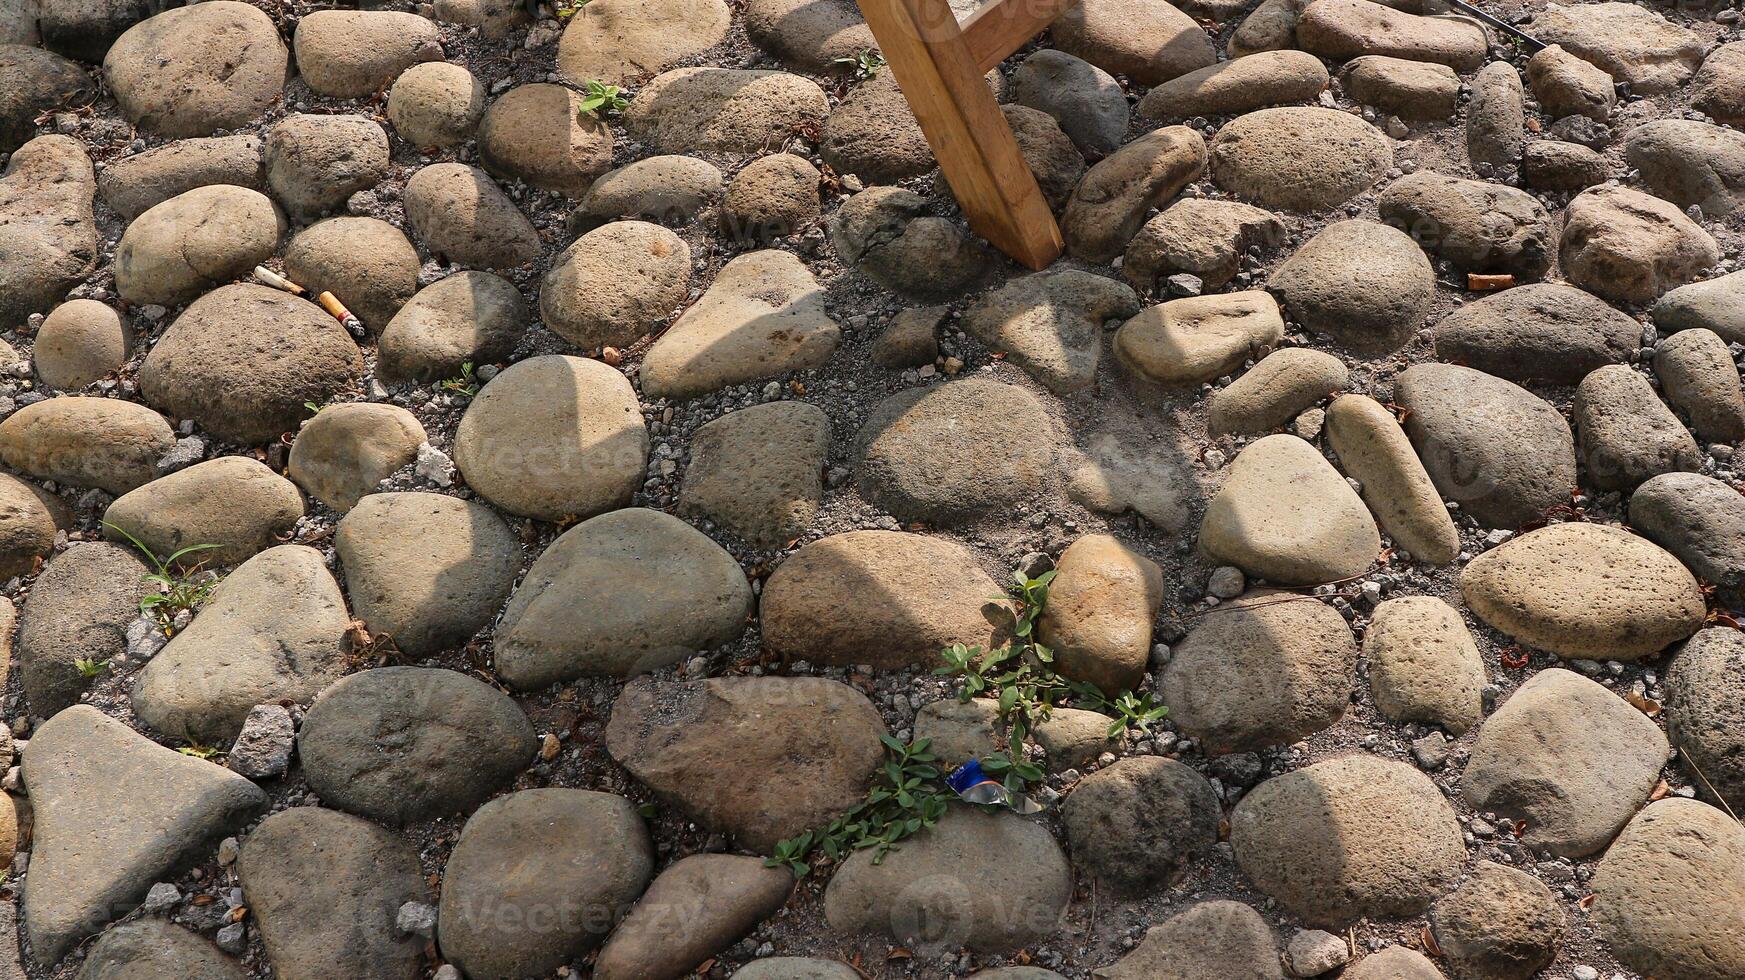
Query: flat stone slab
x=1568 y=756
x=115 y=814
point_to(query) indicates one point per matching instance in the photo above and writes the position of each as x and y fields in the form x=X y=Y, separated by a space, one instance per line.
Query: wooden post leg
x=924 y=47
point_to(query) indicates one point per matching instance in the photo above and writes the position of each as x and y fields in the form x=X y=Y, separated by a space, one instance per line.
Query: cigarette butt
x=273 y=279
x=337 y=310
x=1484 y=284
x=333 y=306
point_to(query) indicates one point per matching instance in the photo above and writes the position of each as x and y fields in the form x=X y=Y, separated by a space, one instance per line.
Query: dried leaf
x=899 y=953
x=1428 y=939
x=1661 y=789
x=1646 y=706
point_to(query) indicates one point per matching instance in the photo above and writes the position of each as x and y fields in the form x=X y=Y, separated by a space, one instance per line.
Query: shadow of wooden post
x=939 y=64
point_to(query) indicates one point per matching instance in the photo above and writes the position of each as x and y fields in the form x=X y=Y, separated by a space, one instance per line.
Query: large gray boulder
x=1539 y=331
x=1266 y=669
x=459 y=213
x=191 y=71
x=1365 y=283
x=131 y=185
x=759 y=472
x=404 y=744
x=1668 y=893
x=1150 y=43
x=939 y=889
x=274 y=629
x=1221 y=939
x=1626 y=434
x=931 y=593
x=615 y=284
x=1716 y=304
x=324 y=889
x=245 y=361
x=763 y=317
x=467 y=318
x=194 y=242
x=107 y=443
x=352 y=54
x=1354 y=837
x=48 y=229
x=922 y=451
x=618 y=595
x=1476 y=225
x=115 y=813
x=1569 y=757
x=1051 y=324
x=1629 y=247
x=1633 y=44
x=1705 y=713
x=424 y=569
x=725 y=896
x=315 y=163
x=146 y=948
x=78 y=612
x=1700 y=520
x=1423 y=664
x=235 y=503
x=501 y=886
x=815 y=744
x=1138 y=823
x=724 y=110
x=1501 y=923
x=1500 y=452
x=34 y=82
x=1299 y=158
x=1285 y=515
x=554 y=437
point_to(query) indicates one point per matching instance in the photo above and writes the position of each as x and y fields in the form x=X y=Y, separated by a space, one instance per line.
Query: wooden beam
x=1000 y=27
x=975 y=148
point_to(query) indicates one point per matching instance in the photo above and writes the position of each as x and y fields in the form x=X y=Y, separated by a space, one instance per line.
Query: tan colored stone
x=1100 y=607
x=1188 y=341
x=1587 y=591
x=1376 y=453
x=885 y=598
x=1286 y=515
x=1423 y=664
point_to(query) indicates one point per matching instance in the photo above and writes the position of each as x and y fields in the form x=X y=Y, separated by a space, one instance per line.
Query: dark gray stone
x=1699 y=519
x=509 y=910
x=78 y=610
x=115 y=813
x=324 y=889
x=402 y=744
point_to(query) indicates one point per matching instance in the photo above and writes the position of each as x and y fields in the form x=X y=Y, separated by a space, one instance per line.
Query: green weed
x=467 y=383
x=176 y=586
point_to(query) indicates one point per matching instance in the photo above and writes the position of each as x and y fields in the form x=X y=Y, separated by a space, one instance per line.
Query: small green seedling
x=89 y=667
x=565 y=9
x=198 y=751
x=1130 y=711
x=178 y=586
x=467 y=383
x=600 y=99
x=863 y=65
